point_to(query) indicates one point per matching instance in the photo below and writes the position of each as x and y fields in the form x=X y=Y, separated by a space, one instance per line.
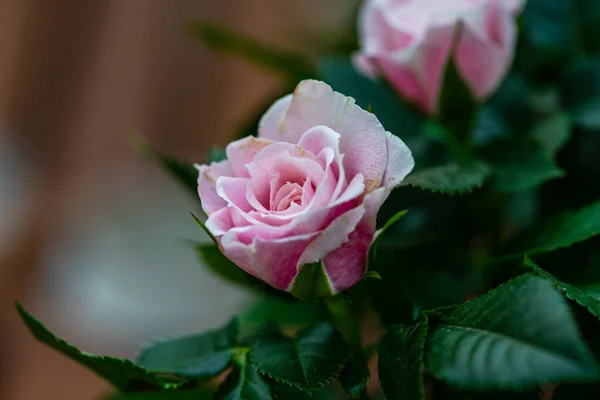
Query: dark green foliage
x=245 y=383
x=355 y=375
x=562 y=230
x=450 y=178
x=315 y=357
x=519 y=165
x=401 y=361
x=124 y=375
x=518 y=336
x=550 y=25
x=581 y=92
x=197 y=356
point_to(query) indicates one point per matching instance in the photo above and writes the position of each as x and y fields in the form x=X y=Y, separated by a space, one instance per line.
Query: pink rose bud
x=409 y=43
x=296 y=207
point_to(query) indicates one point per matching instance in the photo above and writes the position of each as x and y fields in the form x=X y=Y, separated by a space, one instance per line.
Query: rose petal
x=486 y=48
x=219 y=222
x=272 y=124
x=332 y=237
x=241 y=254
x=207 y=181
x=362 y=136
x=346 y=265
x=262 y=169
x=400 y=161
x=233 y=191
x=277 y=260
x=243 y=151
x=317 y=140
x=417 y=71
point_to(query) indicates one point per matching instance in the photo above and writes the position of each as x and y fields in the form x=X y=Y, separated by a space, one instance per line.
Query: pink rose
x=409 y=42
x=305 y=193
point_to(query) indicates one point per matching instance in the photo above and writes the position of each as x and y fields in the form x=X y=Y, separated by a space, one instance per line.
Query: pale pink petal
x=346 y=266
x=272 y=125
x=373 y=202
x=417 y=72
x=379 y=30
x=319 y=137
x=353 y=190
x=207 y=182
x=486 y=48
x=324 y=142
x=288 y=195
x=219 y=222
x=363 y=64
x=277 y=260
x=308 y=192
x=241 y=254
x=332 y=237
x=400 y=161
x=243 y=151
x=515 y=6
x=362 y=138
x=233 y=191
x=263 y=167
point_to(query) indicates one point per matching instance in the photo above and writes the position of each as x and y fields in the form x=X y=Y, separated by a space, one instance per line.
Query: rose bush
x=305 y=191
x=409 y=42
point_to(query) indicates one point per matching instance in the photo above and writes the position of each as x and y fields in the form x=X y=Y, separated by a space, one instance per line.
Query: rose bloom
x=409 y=42
x=296 y=206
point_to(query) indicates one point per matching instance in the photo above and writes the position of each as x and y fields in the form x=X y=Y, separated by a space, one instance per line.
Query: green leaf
x=457 y=104
x=311 y=283
x=570 y=291
x=397 y=117
x=284 y=312
x=183 y=172
x=449 y=178
x=552 y=133
x=122 y=374
x=283 y=391
x=518 y=336
x=221 y=39
x=372 y=254
x=581 y=92
x=505 y=114
x=589 y=15
x=245 y=383
x=550 y=25
x=194 y=394
x=355 y=375
x=563 y=230
x=202 y=225
x=519 y=165
x=316 y=356
x=401 y=361
x=203 y=355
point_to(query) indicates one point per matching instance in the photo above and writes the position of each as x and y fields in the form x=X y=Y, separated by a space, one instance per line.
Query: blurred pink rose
x=409 y=42
x=306 y=191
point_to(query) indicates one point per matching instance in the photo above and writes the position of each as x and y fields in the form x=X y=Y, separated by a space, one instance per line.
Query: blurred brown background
x=90 y=232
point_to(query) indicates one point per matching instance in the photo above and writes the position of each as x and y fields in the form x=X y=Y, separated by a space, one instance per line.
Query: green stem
x=344 y=319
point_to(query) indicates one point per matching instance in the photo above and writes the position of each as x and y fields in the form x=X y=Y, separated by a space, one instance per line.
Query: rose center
x=288 y=194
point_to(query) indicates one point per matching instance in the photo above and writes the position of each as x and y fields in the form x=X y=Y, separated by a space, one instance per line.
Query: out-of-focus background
x=91 y=233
